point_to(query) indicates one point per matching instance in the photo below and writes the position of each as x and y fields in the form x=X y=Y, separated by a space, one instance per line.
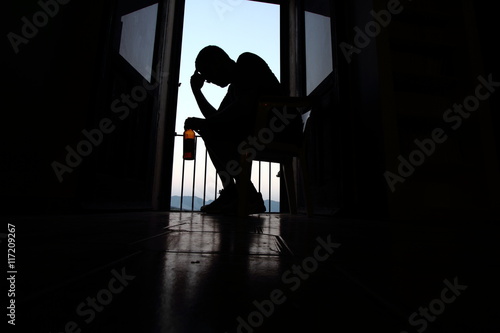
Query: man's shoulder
x=249 y=57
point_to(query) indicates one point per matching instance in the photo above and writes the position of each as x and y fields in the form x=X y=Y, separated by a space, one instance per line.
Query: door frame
x=168 y=57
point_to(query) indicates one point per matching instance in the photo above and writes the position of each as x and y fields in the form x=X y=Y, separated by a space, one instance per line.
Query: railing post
x=216 y=184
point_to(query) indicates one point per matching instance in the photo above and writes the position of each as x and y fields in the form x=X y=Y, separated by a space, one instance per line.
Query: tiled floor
x=187 y=272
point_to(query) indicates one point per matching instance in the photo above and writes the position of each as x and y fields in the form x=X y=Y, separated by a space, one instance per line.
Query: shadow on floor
x=187 y=272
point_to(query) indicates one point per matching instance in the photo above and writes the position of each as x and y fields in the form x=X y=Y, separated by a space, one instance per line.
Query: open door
x=133 y=102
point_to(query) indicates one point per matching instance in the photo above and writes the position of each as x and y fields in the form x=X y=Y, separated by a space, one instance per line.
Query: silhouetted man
x=225 y=128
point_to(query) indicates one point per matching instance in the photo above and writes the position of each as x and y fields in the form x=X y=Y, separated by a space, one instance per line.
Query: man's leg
x=226 y=161
x=221 y=155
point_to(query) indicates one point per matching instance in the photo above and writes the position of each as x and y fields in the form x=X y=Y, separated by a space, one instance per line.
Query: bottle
x=189 y=145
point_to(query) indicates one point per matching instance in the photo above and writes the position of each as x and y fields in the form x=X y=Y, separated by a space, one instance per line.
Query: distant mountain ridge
x=187 y=203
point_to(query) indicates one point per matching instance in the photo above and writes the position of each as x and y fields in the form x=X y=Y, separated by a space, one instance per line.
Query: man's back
x=252 y=79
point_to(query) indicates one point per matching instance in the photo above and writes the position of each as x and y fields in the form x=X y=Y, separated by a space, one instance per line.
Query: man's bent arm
x=205 y=107
x=197 y=82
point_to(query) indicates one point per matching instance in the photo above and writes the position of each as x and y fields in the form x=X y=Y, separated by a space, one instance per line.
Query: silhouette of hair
x=209 y=56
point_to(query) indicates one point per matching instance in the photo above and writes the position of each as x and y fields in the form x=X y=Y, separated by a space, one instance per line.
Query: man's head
x=215 y=65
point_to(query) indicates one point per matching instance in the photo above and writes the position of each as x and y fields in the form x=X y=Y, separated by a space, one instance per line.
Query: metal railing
x=183 y=171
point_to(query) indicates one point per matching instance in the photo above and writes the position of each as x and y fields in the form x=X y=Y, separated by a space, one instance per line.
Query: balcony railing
x=195 y=183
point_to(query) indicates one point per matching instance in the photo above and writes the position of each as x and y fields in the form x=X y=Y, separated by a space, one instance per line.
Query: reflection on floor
x=186 y=272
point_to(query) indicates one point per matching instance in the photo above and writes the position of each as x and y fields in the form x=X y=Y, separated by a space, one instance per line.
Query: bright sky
x=237 y=27
x=246 y=27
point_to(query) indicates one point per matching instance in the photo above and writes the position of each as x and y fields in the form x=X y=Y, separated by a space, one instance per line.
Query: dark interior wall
x=50 y=88
x=488 y=32
x=374 y=94
x=436 y=55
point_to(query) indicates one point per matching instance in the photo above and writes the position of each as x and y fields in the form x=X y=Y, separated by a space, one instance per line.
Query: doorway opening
x=236 y=27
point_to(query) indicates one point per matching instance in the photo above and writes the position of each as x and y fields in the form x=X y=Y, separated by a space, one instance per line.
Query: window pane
x=138 y=39
x=318 y=49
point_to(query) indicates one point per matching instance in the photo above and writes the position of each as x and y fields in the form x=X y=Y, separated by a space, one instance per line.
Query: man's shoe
x=225 y=199
x=256 y=205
